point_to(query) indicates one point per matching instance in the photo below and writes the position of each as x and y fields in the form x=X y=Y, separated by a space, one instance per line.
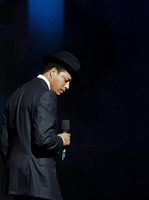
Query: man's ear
x=53 y=72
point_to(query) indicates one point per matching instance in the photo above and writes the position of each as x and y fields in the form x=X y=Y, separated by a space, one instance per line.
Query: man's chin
x=59 y=93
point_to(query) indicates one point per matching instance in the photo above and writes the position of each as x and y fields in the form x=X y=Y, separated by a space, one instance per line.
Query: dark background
x=109 y=155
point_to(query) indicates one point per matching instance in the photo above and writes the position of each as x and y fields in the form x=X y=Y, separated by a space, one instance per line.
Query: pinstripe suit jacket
x=28 y=142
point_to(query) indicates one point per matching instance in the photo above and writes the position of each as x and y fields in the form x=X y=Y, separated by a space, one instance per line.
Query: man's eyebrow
x=66 y=77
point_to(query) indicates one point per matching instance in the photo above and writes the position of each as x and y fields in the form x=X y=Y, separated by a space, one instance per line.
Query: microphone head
x=65 y=125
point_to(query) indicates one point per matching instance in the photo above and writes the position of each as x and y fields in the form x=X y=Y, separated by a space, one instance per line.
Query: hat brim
x=54 y=59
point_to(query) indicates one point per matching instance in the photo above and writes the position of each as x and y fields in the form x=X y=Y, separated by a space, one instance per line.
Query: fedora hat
x=68 y=61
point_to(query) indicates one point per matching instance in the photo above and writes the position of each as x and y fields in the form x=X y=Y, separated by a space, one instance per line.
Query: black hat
x=68 y=61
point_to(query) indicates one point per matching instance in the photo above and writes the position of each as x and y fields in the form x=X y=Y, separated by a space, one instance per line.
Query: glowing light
x=46 y=24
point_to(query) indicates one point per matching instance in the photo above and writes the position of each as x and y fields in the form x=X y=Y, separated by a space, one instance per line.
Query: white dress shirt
x=45 y=79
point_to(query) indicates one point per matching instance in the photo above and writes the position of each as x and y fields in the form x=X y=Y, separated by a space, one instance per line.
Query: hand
x=66 y=137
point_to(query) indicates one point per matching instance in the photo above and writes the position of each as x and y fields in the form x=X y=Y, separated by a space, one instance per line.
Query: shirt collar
x=45 y=79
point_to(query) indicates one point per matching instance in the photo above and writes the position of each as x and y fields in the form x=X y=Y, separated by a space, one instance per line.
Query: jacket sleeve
x=45 y=124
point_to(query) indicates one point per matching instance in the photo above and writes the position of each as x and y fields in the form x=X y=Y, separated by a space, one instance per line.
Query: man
x=29 y=141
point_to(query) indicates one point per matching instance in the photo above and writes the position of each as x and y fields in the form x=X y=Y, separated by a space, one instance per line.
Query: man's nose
x=67 y=85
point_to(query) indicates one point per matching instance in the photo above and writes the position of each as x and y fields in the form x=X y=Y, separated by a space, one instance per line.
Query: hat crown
x=69 y=59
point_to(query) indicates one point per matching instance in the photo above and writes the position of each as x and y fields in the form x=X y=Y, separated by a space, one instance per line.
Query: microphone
x=65 y=128
x=65 y=125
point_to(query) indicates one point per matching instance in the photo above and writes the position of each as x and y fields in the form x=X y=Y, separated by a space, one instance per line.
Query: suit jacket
x=29 y=142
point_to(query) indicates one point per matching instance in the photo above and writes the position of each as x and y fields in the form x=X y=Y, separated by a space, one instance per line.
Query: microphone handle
x=64 y=151
x=63 y=154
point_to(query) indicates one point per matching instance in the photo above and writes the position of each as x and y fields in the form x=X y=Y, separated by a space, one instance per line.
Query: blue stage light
x=46 y=24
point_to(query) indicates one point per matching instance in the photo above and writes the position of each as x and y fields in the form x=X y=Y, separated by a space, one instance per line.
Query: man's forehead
x=66 y=74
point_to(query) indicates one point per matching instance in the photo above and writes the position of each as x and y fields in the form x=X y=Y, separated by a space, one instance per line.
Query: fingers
x=69 y=138
x=66 y=137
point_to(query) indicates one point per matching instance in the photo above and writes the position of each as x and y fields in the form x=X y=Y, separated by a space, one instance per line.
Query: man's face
x=60 y=82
